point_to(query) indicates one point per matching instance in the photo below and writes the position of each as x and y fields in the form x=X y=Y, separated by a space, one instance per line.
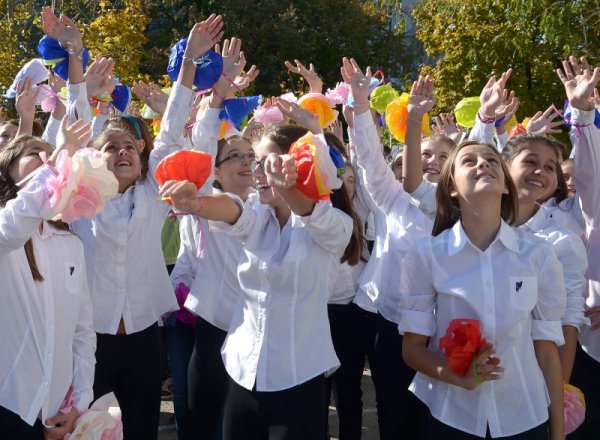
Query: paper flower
x=184 y=315
x=517 y=130
x=80 y=186
x=236 y=109
x=209 y=66
x=35 y=70
x=461 y=343
x=319 y=105
x=574 y=403
x=339 y=94
x=101 y=422
x=382 y=96
x=53 y=54
x=268 y=115
x=466 y=110
x=317 y=174
x=396 y=118
x=190 y=165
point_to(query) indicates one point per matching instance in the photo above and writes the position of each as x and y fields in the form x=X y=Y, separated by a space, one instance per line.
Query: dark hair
x=131 y=124
x=447 y=207
x=517 y=144
x=9 y=189
x=284 y=135
x=37 y=128
x=222 y=143
x=353 y=252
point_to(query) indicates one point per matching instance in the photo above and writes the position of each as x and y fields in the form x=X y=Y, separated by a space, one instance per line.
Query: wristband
x=360 y=104
x=478 y=379
x=231 y=81
x=486 y=120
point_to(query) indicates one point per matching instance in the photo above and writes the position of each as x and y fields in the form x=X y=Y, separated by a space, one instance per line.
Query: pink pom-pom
x=338 y=95
x=57 y=183
x=289 y=97
x=83 y=203
x=268 y=115
x=574 y=403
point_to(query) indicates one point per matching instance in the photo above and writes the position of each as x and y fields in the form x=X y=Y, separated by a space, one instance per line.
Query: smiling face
x=234 y=172
x=7 y=133
x=567 y=169
x=433 y=157
x=533 y=170
x=267 y=195
x=122 y=156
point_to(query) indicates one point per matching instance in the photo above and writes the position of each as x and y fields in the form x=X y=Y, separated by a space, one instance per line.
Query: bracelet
x=196 y=60
x=231 y=81
x=478 y=379
x=361 y=104
x=486 y=120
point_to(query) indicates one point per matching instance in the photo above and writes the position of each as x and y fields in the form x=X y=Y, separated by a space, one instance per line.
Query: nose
x=123 y=152
x=483 y=163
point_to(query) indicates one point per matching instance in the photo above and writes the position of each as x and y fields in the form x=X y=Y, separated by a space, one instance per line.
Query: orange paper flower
x=193 y=166
x=396 y=118
x=310 y=182
x=319 y=105
x=461 y=343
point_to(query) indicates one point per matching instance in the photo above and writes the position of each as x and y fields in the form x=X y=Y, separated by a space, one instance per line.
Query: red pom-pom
x=190 y=165
x=461 y=343
x=309 y=183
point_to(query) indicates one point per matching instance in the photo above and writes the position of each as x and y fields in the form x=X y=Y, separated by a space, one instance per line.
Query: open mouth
x=245 y=173
x=534 y=182
x=431 y=170
x=262 y=187
x=122 y=163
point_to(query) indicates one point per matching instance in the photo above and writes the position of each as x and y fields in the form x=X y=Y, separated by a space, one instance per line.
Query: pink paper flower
x=83 y=203
x=268 y=115
x=338 y=95
x=184 y=315
x=574 y=403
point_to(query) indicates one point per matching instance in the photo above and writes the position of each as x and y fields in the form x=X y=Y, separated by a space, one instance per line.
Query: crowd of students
x=290 y=294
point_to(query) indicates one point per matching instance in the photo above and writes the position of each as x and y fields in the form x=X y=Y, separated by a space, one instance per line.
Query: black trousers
x=353 y=333
x=292 y=414
x=129 y=365
x=438 y=431
x=401 y=414
x=586 y=376
x=13 y=427
x=207 y=383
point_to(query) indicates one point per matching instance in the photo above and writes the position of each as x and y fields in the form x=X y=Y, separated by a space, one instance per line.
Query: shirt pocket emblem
x=523 y=292
x=72 y=278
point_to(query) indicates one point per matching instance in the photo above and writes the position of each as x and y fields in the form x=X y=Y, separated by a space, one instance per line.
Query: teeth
x=535 y=183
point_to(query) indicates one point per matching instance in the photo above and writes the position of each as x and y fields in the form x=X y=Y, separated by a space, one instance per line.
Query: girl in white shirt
x=478 y=267
x=278 y=346
x=45 y=307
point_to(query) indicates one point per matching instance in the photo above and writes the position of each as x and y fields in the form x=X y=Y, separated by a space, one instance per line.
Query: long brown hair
x=447 y=207
x=9 y=189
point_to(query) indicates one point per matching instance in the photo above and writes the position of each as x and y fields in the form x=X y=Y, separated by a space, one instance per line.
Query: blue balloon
x=209 y=66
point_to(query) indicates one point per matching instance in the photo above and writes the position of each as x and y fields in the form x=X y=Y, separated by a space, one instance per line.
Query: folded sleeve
x=424 y=198
x=417 y=293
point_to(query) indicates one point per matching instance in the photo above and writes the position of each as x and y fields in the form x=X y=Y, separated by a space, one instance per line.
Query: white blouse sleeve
x=424 y=198
x=51 y=131
x=418 y=296
x=482 y=132
x=21 y=216
x=185 y=267
x=205 y=137
x=379 y=179
x=84 y=348
x=550 y=307
x=78 y=106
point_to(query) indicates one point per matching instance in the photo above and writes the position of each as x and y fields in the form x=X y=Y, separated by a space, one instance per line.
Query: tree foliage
x=472 y=39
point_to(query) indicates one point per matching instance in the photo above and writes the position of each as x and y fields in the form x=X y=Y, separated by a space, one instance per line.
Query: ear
x=453 y=192
x=141 y=145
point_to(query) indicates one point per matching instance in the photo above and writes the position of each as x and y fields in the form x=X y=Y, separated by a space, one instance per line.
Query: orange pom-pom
x=319 y=105
x=310 y=183
x=193 y=166
x=396 y=118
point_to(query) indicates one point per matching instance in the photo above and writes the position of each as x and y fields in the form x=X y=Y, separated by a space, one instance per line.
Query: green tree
x=472 y=39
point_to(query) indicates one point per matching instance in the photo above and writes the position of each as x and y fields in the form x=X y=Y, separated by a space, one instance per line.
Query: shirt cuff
x=319 y=211
x=542 y=330
x=582 y=117
x=243 y=224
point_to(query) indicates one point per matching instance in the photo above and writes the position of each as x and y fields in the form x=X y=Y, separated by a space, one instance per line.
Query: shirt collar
x=48 y=230
x=537 y=222
x=457 y=238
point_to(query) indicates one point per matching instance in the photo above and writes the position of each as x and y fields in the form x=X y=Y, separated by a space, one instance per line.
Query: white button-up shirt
x=126 y=269
x=48 y=342
x=587 y=166
x=404 y=223
x=279 y=336
x=515 y=289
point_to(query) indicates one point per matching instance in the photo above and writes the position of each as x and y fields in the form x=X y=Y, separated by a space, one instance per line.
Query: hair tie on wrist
x=478 y=380
x=231 y=81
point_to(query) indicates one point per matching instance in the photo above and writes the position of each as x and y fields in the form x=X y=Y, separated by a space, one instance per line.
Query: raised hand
x=445 y=124
x=183 y=194
x=71 y=137
x=152 y=95
x=421 y=97
x=253 y=130
x=301 y=116
x=99 y=76
x=204 y=35
x=55 y=82
x=337 y=129
x=61 y=29
x=281 y=171
x=579 y=82
x=494 y=98
x=310 y=75
x=357 y=81
x=595 y=99
x=544 y=123
x=26 y=99
x=234 y=62
x=507 y=113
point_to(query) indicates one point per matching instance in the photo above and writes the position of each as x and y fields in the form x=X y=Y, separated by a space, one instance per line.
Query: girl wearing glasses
x=279 y=344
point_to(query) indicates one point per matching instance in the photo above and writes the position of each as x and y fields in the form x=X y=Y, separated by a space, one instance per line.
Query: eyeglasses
x=239 y=158
x=258 y=164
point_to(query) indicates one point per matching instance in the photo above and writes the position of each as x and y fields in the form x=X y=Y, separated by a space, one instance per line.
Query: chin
x=432 y=178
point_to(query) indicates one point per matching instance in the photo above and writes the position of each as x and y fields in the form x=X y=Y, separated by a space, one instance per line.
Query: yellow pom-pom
x=396 y=118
